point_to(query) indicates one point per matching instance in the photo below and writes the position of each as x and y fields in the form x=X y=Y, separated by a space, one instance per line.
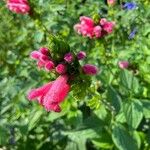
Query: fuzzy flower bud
x=68 y=57
x=81 y=55
x=90 y=69
x=61 y=68
x=49 y=65
x=123 y=64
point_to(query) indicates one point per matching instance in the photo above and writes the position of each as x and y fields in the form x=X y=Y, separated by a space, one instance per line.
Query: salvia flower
x=123 y=64
x=87 y=28
x=68 y=67
x=18 y=6
x=68 y=57
x=129 y=6
x=81 y=55
x=43 y=59
x=90 y=69
x=132 y=34
x=51 y=94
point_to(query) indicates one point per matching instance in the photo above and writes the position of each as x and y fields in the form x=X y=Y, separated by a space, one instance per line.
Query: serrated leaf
x=122 y=138
x=114 y=98
x=133 y=112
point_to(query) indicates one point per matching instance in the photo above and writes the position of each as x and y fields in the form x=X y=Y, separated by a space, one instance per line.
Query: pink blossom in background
x=90 y=69
x=43 y=59
x=68 y=57
x=87 y=28
x=61 y=68
x=108 y=27
x=18 y=6
x=81 y=55
x=111 y=2
x=51 y=94
x=123 y=64
x=97 y=31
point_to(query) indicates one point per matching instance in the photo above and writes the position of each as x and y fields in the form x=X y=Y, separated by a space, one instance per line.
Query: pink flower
x=68 y=57
x=49 y=65
x=103 y=21
x=97 y=31
x=85 y=27
x=86 y=21
x=81 y=55
x=44 y=50
x=18 y=6
x=43 y=60
x=123 y=64
x=111 y=2
x=90 y=69
x=61 y=68
x=108 y=27
x=51 y=94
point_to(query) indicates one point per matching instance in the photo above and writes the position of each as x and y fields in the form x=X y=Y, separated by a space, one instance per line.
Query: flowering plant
x=95 y=73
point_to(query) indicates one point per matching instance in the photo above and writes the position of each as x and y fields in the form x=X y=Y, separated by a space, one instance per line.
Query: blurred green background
x=114 y=115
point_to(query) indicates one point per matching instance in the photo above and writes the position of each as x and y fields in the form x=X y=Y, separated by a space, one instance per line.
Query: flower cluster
x=87 y=27
x=18 y=6
x=53 y=93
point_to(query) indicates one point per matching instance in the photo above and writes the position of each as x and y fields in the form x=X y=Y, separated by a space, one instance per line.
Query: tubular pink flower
x=52 y=94
x=68 y=57
x=123 y=64
x=57 y=93
x=81 y=55
x=90 y=69
x=61 y=68
x=18 y=6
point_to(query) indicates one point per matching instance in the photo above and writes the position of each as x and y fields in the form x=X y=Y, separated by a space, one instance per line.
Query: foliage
x=115 y=111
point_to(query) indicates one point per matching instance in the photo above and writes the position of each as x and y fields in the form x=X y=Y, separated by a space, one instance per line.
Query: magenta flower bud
x=111 y=2
x=43 y=58
x=68 y=57
x=49 y=65
x=44 y=50
x=61 y=68
x=90 y=69
x=35 y=55
x=81 y=55
x=123 y=64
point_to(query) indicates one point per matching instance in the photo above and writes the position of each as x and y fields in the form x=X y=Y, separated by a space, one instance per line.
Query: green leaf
x=114 y=98
x=133 y=112
x=3 y=135
x=128 y=82
x=146 y=108
x=122 y=138
x=34 y=119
